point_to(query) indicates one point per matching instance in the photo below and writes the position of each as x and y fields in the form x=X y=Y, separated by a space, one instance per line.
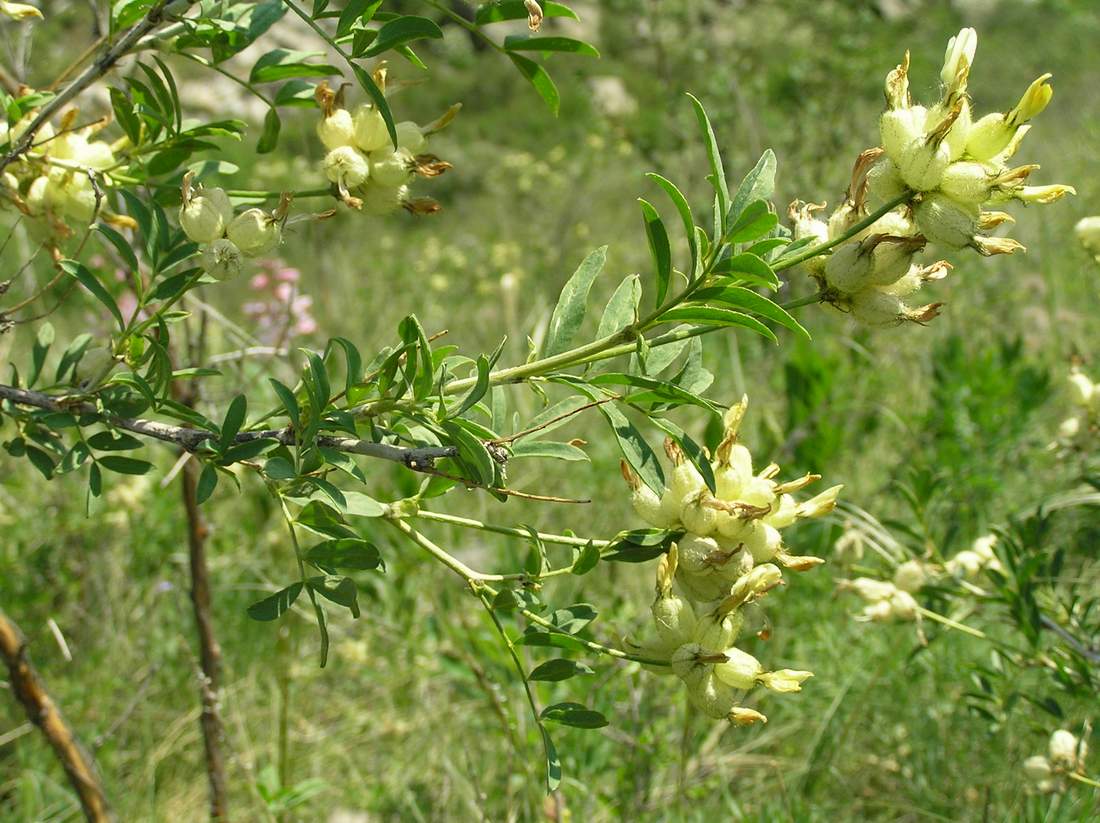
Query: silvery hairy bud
x=712 y=697
x=205 y=213
x=891 y=258
x=884 y=181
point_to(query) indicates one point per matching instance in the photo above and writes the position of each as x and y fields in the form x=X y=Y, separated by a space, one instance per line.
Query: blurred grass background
x=418 y=716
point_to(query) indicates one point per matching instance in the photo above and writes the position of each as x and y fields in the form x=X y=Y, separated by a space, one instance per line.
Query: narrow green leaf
x=208 y=481
x=560 y=668
x=403 y=30
x=717 y=175
x=340 y=590
x=234 y=419
x=681 y=204
x=713 y=316
x=349 y=553
x=749 y=268
x=523 y=42
x=516 y=10
x=78 y=272
x=694 y=452
x=547 y=449
x=120 y=244
x=759 y=184
x=289 y=401
x=572 y=304
x=538 y=77
x=753 y=223
x=281 y=64
x=575 y=715
x=622 y=308
x=378 y=98
x=479 y=389
x=273 y=607
x=125 y=465
x=635 y=448
x=588 y=559
x=742 y=298
x=269 y=137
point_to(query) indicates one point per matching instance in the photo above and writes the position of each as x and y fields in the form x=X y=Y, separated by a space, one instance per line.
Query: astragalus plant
x=139 y=187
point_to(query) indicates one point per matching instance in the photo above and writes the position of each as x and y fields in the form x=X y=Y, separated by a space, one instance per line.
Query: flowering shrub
x=90 y=406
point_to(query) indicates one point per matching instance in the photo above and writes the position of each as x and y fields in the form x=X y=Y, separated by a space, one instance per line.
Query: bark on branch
x=44 y=713
x=417 y=459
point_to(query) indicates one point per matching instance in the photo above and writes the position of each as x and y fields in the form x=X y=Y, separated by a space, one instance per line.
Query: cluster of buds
x=369 y=172
x=1088 y=235
x=728 y=558
x=1082 y=428
x=893 y=600
x=56 y=185
x=942 y=166
x=207 y=218
x=1065 y=756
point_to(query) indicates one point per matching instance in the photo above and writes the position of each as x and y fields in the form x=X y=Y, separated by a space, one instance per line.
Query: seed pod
x=947 y=222
x=255 y=232
x=205 y=215
x=336 y=129
x=370 y=132
x=391 y=168
x=222 y=259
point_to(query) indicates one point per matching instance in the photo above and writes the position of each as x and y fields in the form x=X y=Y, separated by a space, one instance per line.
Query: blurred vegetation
x=418 y=716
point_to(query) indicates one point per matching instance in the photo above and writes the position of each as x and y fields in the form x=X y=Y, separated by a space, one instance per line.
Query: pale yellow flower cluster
x=728 y=558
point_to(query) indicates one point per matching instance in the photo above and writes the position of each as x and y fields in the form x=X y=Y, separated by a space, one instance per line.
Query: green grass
x=419 y=715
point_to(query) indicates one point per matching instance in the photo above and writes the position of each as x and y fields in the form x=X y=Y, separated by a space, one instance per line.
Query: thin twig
x=44 y=713
x=210 y=655
x=417 y=459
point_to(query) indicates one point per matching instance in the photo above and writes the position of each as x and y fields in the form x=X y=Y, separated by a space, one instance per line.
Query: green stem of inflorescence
x=480 y=583
x=624 y=342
